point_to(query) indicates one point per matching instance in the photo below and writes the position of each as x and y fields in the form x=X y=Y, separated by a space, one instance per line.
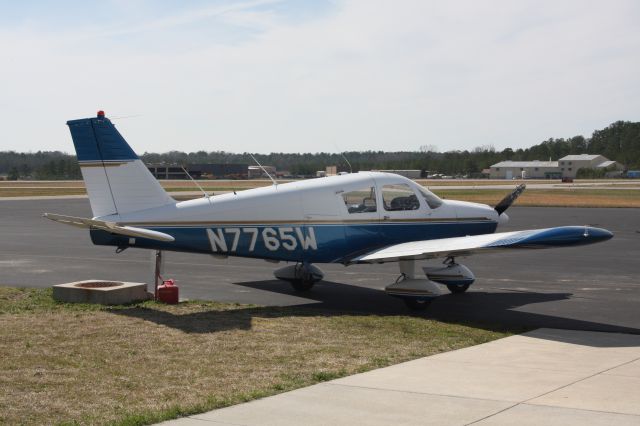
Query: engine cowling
x=451 y=274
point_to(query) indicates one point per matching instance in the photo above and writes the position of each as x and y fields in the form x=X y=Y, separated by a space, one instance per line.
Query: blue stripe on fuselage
x=314 y=243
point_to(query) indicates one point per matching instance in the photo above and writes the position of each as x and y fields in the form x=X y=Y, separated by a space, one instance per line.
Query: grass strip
x=148 y=362
x=550 y=197
x=557 y=197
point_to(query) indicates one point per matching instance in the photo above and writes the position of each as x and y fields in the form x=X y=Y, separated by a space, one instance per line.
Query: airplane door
x=360 y=214
x=322 y=238
x=403 y=214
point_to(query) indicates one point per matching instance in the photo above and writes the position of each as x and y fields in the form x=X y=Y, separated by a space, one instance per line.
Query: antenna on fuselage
x=263 y=169
x=345 y=159
x=207 y=196
x=344 y=156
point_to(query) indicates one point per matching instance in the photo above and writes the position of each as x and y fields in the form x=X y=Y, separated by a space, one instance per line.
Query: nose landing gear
x=457 y=289
x=456 y=277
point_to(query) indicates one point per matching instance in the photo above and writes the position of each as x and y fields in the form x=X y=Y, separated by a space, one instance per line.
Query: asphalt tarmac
x=584 y=288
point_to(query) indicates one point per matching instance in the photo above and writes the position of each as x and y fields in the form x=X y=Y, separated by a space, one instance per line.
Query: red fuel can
x=168 y=292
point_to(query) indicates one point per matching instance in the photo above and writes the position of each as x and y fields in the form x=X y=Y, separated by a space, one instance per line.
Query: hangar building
x=570 y=164
x=567 y=166
x=531 y=169
x=200 y=171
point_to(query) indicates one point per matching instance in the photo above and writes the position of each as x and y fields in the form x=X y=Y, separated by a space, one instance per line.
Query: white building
x=613 y=169
x=565 y=167
x=525 y=169
x=570 y=164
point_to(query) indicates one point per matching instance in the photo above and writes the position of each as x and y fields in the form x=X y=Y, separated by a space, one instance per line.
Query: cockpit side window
x=399 y=197
x=432 y=199
x=361 y=200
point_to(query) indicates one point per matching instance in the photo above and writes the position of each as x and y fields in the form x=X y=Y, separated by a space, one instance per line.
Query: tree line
x=619 y=141
x=41 y=165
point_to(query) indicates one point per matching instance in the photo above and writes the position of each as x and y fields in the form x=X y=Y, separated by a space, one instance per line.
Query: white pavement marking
x=552 y=377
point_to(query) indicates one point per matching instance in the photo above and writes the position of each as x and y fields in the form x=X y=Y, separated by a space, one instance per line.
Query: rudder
x=117 y=181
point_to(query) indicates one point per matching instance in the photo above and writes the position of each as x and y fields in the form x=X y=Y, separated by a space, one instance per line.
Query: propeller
x=506 y=202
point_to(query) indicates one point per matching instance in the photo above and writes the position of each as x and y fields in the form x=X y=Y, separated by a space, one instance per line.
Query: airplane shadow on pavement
x=491 y=311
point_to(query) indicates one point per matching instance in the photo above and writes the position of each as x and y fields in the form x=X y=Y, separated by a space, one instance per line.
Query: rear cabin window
x=399 y=197
x=361 y=201
x=432 y=199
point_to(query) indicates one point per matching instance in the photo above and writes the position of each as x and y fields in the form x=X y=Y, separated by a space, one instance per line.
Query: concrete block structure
x=100 y=291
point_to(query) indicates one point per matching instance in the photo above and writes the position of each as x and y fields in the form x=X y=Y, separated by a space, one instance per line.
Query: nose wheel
x=457 y=289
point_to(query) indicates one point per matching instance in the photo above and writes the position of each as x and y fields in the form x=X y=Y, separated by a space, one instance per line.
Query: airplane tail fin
x=117 y=181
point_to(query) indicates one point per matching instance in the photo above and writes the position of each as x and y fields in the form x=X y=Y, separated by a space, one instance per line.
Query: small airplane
x=365 y=217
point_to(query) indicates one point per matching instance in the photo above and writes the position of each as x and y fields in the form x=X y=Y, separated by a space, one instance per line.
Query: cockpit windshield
x=432 y=199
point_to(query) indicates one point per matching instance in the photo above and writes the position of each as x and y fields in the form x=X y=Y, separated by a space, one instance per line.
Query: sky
x=310 y=76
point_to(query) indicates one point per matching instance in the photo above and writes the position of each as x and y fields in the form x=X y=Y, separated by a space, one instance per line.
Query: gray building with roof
x=567 y=166
x=570 y=164
x=525 y=169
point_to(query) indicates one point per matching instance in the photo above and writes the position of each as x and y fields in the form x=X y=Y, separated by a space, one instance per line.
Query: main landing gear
x=302 y=276
x=418 y=293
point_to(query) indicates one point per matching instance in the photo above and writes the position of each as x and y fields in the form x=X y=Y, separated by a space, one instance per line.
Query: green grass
x=144 y=363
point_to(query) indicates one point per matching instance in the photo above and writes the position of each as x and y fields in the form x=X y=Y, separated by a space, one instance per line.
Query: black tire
x=457 y=289
x=417 y=304
x=302 y=285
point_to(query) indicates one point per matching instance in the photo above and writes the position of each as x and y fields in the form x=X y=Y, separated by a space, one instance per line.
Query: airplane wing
x=464 y=246
x=112 y=227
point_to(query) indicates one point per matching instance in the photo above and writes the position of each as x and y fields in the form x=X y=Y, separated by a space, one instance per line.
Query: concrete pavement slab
x=535 y=415
x=528 y=379
x=527 y=353
x=616 y=394
x=470 y=380
x=329 y=403
x=631 y=369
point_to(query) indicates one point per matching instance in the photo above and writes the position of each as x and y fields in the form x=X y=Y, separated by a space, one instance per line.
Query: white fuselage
x=314 y=220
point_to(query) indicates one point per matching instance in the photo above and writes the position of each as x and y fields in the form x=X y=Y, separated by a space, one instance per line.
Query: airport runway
x=586 y=288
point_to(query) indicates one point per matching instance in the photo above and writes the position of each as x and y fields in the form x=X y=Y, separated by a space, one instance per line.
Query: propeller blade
x=506 y=202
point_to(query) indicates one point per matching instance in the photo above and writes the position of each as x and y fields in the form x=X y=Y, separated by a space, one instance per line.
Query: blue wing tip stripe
x=555 y=237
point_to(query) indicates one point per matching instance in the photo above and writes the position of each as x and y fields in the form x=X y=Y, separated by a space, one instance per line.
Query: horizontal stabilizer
x=111 y=227
x=562 y=236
